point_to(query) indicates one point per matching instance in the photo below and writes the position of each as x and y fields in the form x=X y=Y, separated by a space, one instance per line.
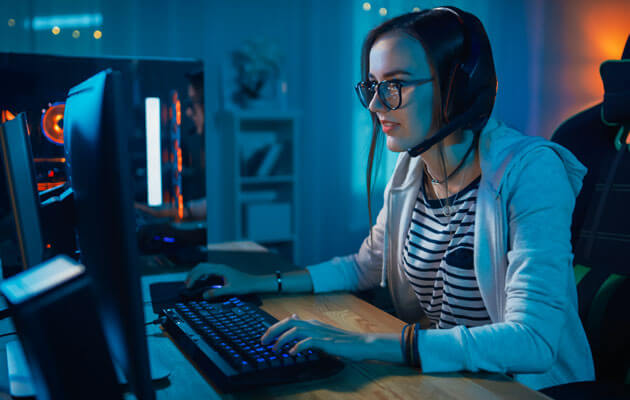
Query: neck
x=453 y=148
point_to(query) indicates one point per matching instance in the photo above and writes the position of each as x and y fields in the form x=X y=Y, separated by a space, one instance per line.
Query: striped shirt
x=440 y=268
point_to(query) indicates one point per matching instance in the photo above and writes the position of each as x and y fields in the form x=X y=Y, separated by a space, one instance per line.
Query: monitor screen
x=17 y=160
x=96 y=129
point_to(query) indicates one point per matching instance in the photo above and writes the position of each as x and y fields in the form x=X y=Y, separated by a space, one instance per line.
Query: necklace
x=461 y=163
x=447 y=209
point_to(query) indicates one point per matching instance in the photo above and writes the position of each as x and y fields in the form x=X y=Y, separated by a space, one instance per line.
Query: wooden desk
x=366 y=380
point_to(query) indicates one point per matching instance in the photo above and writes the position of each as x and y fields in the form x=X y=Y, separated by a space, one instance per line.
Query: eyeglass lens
x=389 y=93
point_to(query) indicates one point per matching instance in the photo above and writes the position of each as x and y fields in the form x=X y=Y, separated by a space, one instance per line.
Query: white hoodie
x=522 y=260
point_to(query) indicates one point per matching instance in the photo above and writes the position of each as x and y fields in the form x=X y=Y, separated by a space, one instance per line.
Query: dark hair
x=442 y=35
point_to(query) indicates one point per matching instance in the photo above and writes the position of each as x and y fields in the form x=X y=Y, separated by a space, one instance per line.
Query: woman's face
x=398 y=56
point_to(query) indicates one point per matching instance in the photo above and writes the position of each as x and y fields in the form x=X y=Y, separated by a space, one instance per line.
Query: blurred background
x=283 y=71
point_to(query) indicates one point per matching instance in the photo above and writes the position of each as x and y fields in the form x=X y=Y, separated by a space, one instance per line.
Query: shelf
x=262 y=208
x=249 y=180
x=272 y=240
x=272 y=115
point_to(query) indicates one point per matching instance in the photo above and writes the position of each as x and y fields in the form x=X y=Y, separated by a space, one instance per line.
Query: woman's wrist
x=409 y=345
x=265 y=284
x=384 y=347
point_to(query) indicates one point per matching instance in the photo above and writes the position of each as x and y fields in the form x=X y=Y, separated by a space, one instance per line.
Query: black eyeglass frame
x=380 y=88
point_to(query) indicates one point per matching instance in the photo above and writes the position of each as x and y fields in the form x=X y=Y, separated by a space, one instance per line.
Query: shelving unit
x=259 y=163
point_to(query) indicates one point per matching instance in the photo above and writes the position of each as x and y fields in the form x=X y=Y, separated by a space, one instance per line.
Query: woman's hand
x=235 y=282
x=338 y=342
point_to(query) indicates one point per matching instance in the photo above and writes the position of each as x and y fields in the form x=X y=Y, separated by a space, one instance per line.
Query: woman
x=474 y=233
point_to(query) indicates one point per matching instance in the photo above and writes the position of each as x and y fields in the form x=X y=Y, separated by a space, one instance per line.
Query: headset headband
x=474 y=117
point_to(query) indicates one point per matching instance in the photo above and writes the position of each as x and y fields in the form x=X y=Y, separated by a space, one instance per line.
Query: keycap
x=274 y=361
x=287 y=359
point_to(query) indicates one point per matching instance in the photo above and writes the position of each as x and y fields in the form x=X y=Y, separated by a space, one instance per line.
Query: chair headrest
x=616 y=78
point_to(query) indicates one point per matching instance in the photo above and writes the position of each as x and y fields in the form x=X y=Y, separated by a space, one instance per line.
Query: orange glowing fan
x=52 y=123
x=6 y=115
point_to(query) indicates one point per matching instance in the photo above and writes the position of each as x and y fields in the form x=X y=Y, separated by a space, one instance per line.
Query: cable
x=8 y=334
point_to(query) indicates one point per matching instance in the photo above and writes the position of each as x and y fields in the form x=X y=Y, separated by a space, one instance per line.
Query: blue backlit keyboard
x=223 y=340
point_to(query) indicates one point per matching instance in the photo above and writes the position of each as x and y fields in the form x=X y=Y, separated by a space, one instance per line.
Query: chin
x=394 y=145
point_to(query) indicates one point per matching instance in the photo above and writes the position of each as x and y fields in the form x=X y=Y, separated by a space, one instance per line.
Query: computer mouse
x=197 y=290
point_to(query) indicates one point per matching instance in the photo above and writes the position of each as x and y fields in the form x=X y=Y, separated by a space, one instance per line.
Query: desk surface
x=358 y=380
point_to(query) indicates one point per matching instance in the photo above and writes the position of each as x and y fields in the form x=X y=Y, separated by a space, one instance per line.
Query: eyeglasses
x=388 y=91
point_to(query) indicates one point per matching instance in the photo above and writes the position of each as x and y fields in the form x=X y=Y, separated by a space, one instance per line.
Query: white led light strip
x=154 y=164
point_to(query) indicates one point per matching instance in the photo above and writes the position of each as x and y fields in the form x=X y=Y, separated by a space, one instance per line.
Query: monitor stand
x=21 y=384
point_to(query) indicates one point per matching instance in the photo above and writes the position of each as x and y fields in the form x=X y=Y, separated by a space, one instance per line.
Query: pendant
x=447 y=210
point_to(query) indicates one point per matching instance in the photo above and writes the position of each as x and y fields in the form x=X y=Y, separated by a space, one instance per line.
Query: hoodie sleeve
x=538 y=284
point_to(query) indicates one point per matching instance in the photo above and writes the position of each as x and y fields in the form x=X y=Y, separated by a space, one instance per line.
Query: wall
x=546 y=53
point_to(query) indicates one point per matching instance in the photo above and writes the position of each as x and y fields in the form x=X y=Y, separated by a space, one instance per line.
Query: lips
x=388 y=126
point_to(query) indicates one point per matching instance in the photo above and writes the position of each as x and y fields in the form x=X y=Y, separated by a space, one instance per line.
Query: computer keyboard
x=223 y=340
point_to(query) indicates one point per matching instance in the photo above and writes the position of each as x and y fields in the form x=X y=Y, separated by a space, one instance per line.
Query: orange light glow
x=56 y=126
x=48 y=245
x=41 y=186
x=50 y=159
x=602 y=41
x=179 y=160
x=180 y=206
x=595 y=32
x=178 y=112
x=51 y=123
x=179 y=203
x=7 y=116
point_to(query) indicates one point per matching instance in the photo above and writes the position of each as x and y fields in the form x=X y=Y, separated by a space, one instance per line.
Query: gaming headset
x=472 y=86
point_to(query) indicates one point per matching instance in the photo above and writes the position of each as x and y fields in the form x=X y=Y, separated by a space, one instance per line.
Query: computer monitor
x=96 y=130
x=19 y=169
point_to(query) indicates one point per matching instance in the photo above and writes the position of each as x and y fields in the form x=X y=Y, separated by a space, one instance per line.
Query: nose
x=377 y=104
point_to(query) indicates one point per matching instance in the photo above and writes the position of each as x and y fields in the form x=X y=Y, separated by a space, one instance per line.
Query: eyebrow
x=394 y=72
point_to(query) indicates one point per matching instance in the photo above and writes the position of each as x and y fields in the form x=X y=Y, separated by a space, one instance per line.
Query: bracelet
x=279 y=280
x=409 y=345
x=403 y=343
x=414 y=348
